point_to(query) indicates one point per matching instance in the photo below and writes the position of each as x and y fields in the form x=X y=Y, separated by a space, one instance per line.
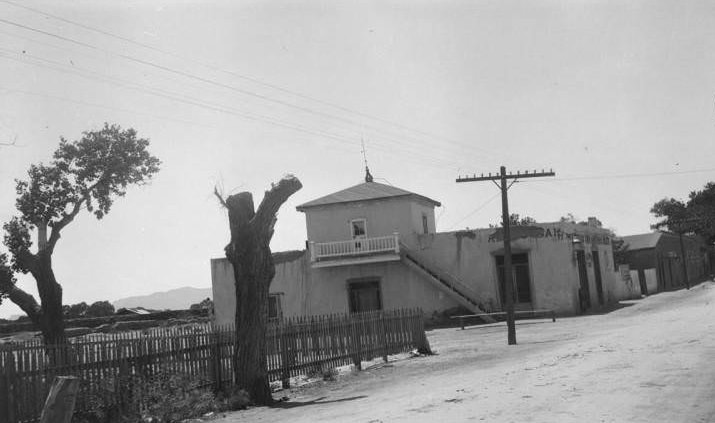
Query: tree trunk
x=50 y=319
x=250 y=254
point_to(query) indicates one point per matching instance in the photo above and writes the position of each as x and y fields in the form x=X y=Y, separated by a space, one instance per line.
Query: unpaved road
x=652 y=361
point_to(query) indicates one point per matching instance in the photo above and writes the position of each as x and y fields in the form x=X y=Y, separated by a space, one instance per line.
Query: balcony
x=355 y=251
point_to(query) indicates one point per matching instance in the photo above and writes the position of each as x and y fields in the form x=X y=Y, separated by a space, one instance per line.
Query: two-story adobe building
x=375 y=246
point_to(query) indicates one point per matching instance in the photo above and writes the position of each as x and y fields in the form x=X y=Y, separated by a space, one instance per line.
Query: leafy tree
x=696 y=216
x=75 y=310
x=674 y=214
x=85 y=174
x=250 y=254
x=701 y=206
x=100 y=309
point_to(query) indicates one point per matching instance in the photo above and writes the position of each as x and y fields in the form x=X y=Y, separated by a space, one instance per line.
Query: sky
x=616 y=97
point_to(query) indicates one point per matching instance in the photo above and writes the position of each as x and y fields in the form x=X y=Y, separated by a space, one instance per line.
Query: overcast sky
x=236 y=94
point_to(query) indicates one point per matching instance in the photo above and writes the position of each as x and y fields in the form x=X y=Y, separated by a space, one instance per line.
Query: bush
x=175 y=397
x=330 y=374
x=235 y=399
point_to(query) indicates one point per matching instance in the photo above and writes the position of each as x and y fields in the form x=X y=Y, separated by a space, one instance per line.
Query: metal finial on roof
x=368 y=175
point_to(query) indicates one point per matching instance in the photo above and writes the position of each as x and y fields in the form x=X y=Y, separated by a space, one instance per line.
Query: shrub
x=330 y=373
x=236 y=399
x=175 y=397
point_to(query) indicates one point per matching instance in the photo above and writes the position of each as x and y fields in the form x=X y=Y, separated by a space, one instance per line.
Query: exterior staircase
x=447 y=283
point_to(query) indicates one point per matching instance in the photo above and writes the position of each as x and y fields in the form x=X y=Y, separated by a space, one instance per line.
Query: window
x=358 y=228
x=425 y=226
x=364 y=296
x=274 y=306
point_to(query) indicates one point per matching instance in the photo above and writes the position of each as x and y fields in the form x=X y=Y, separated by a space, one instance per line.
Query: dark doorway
x=521 y=280
x=584 y=294
x=364 y=296
x=597 y=273
x=642 y=282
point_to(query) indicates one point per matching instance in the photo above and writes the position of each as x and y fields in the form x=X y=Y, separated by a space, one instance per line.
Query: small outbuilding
x=664 y=261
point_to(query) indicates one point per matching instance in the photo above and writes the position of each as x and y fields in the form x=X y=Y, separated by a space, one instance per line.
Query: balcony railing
x=355 y=247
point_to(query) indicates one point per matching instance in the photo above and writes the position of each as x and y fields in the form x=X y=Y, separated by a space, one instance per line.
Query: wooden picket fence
x=116 y=369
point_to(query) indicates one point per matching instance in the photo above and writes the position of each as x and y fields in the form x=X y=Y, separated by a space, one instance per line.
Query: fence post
x=357 y=347
x=7 y=379
x=420 y=337
x=124 y=387
x=214 y=360
x=383 y=328
x=286 y=353
x=60 y=401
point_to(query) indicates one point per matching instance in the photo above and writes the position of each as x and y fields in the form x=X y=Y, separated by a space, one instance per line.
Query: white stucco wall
x=470 y=256
x=418 y=210
x=384 y=217
x=467 y=255
x=307 y=291
x=290 y=281
x=625 y=284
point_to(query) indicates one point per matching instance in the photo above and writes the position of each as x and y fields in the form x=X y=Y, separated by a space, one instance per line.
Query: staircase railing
x=443 y=275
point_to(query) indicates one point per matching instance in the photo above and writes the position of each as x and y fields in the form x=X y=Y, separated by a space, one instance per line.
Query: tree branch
x=67 y=218
x=220 y=199
x=22 y=299
x=274 y=199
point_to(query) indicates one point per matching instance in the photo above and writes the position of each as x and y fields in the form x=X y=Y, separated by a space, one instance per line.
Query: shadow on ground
x=293 y=404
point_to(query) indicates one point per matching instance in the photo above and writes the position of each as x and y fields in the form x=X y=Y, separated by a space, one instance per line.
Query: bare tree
x=250 y=254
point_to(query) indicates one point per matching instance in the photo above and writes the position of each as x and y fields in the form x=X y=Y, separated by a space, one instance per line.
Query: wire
x=196 y=77
x=58 y=66
x=481 y=206
x=621 y=176
x=431 y=157
x=237 y=74
x=102 y=106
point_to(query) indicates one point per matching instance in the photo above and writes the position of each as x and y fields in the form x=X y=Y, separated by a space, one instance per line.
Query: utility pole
x=502 y=176
x=684 y=259
x=680 y=227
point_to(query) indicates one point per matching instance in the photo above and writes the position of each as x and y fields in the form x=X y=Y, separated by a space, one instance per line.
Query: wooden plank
x=60 y=402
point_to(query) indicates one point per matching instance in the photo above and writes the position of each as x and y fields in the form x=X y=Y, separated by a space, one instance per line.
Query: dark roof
x=364 y=192
x=642 y=241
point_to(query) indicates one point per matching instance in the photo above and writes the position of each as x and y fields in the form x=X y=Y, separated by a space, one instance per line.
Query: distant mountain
x=175 y=299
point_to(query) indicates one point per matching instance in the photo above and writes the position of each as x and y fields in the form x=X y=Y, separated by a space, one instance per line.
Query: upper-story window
x=358 y=228
x=425 y=225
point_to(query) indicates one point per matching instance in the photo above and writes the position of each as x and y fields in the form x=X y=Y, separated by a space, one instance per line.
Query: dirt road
x=652 y=361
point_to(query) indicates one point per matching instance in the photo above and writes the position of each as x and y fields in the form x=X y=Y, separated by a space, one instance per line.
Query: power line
x=237 y=74
x=628 y=175
x=188 y=100
x=103 y=106
x=409 y=156
x=471 y=213
x=62 y=67
x=194 y=77
x=445 y=160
